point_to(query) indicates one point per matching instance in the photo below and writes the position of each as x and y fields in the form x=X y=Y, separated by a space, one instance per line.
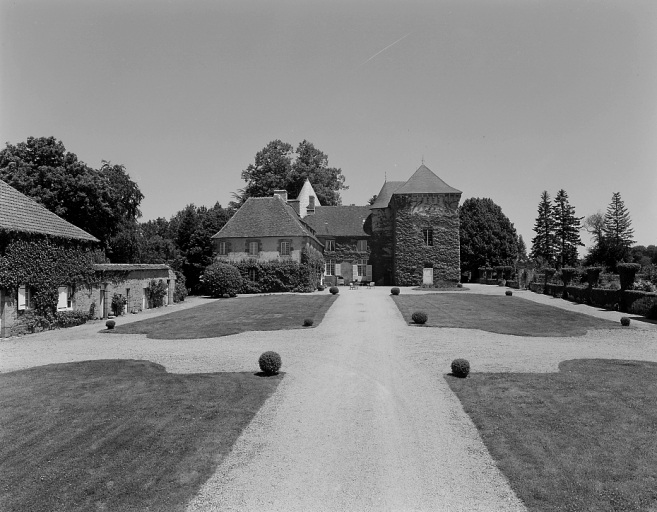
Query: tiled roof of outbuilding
x=130 y=266
x=339 y=220
x=424 y=181
x=23 y=214
x=383 y=199
x=265 y=216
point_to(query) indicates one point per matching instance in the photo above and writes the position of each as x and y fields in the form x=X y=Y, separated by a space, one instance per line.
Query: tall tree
x=487 y=235
x=543 y=244
x=617 y=228
x=566 y=230
x=278 y=166
x=98 y=201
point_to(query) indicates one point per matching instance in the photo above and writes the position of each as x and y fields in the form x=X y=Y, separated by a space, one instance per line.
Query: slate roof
x=383 y=198
x=339 y=220
x=21 y=213
x=130 y=266
x=265 y=216
x=424 y=181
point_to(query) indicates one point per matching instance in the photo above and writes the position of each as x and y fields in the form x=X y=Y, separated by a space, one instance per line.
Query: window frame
x=252 y=244
x=427 y=237
x=285 y=248
x=329 y=268
x=329 y=245
x=221 y=250
x=361 y=245
x=362 y=267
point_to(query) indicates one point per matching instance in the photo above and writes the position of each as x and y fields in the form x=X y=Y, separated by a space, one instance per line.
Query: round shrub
x=320 y=288
x=459 y=285
x=625 y=321
x=221 y=279
x=270 y=363
x=307 y=322
x=334 y=290
x=419 y=317
x=460 y=368
x=395 y=291
x=110 y=324
x=508 y=293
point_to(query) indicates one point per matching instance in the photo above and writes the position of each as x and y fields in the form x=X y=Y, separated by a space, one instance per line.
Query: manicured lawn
x=503 y=315
x=117 y=435
x=583 y=439
x=222 y=317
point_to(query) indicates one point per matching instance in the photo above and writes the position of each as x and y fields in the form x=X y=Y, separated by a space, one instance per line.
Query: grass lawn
x=117 y=434
x=222 y=317
x=499 y=314
x=583 y=439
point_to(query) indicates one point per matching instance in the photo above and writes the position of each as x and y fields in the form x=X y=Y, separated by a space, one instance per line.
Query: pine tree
x=566 y=230
x=616 y=229
x=543 y=243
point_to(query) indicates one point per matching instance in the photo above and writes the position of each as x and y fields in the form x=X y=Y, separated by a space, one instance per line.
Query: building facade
x=409 y=236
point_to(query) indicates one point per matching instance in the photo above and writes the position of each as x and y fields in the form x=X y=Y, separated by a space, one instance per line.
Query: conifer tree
x=566 y=230
x=544 y=242
x=617 y=229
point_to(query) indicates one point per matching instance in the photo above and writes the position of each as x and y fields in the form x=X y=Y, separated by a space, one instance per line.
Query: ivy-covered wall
x=381 y=243
x=411 y=254
x=43 y=264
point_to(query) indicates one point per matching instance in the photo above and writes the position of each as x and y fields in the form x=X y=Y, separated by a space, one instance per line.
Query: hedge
x=604 y=297
x=630 y=296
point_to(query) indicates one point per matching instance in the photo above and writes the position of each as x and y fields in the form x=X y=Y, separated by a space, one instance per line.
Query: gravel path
x=363 y=419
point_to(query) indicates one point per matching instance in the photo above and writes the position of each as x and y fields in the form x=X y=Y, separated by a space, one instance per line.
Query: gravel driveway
x=364 y=419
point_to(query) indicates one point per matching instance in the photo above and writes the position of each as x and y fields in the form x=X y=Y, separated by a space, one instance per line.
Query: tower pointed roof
x=424 y=181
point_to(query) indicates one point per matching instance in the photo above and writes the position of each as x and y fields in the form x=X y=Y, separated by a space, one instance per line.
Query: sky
x=500 y=98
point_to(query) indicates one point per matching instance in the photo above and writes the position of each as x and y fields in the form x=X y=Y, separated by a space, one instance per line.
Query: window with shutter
x=329 y=245
x=427 y=233
x=361 y=246
x=285 y=248
x=253 y=248
x=330 y=268
x=22 y=298
x=222 y=248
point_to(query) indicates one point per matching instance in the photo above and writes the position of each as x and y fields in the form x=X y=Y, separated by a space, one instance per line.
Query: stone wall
x=412 y=255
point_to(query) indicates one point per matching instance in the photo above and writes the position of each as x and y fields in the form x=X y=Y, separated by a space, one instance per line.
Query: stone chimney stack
x=281 y=194
x=311 y=205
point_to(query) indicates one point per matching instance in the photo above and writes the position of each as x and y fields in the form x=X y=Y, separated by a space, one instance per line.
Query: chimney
x=281 y=194
x=311 y=205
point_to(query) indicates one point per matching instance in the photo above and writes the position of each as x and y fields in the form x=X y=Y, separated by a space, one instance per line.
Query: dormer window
x=329 y=245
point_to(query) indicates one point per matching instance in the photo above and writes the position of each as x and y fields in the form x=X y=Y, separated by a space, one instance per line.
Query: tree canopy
x=279 y=166
x=488 y=238
x=100 y=201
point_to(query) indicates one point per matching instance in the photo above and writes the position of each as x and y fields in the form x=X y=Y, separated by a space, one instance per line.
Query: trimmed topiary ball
x=419 y=317
x=334 y=290
x=270 y=363
x=320 y=288
x=395 y=291
x=508 y=293
x=460 y=368
x=308 y=322
x=110 y=324
x=625 y=321
x=459 y=285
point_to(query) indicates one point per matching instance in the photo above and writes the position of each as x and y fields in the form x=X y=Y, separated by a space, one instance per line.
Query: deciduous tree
x=278 y=166
x=488 y=238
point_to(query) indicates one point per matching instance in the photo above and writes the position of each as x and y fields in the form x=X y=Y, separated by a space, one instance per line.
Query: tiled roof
x=424 y=181
x=339 y=220
x=264 y=216
x=383 y=198
x=21 y=213
x=130 y=266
